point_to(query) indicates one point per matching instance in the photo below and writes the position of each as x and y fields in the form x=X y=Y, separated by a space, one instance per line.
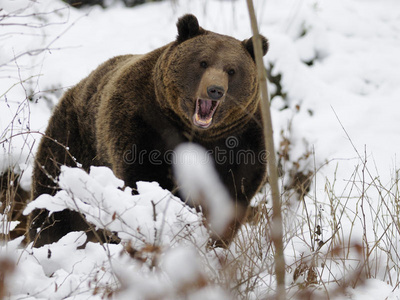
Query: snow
x=199 y=180
x=181 y=268
x=154 y=216
x=342 y=109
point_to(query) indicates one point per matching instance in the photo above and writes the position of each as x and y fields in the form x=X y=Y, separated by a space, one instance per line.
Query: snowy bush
x=154 y=217
x=158 y=254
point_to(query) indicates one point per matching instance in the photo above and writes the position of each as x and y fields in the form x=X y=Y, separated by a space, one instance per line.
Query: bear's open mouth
x=204 y=112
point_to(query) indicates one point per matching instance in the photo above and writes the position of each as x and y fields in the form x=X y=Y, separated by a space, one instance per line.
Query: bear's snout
x=213 y=84
x=215 y=92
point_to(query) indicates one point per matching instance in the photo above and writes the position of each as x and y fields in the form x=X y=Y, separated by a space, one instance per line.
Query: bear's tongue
x=204 y=112
x=205 y=107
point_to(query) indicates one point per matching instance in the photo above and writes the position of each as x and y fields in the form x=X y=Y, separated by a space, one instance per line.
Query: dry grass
x=329 y=250
x=12 y=201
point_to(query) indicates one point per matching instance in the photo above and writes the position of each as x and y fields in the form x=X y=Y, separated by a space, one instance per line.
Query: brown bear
x=201 y=88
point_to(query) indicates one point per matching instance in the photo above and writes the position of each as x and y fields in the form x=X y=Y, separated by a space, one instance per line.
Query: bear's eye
x=231 y=72
x=204 y=64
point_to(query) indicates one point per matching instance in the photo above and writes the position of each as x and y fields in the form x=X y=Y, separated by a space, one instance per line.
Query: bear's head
x=209 y=80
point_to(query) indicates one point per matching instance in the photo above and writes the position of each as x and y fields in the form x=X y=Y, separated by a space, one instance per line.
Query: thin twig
x=276 y=226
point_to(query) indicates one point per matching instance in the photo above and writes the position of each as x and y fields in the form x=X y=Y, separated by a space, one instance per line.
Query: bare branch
x=276 y=226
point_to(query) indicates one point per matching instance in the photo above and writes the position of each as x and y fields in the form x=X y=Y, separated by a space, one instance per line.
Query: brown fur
x=146 y=103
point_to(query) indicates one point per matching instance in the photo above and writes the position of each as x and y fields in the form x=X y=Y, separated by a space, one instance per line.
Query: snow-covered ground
x=337 y=112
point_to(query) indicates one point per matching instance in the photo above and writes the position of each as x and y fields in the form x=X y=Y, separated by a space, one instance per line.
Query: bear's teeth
x=202 y=120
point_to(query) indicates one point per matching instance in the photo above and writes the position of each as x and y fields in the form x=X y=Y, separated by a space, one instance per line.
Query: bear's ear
x=248 y=44
x=188 y=27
